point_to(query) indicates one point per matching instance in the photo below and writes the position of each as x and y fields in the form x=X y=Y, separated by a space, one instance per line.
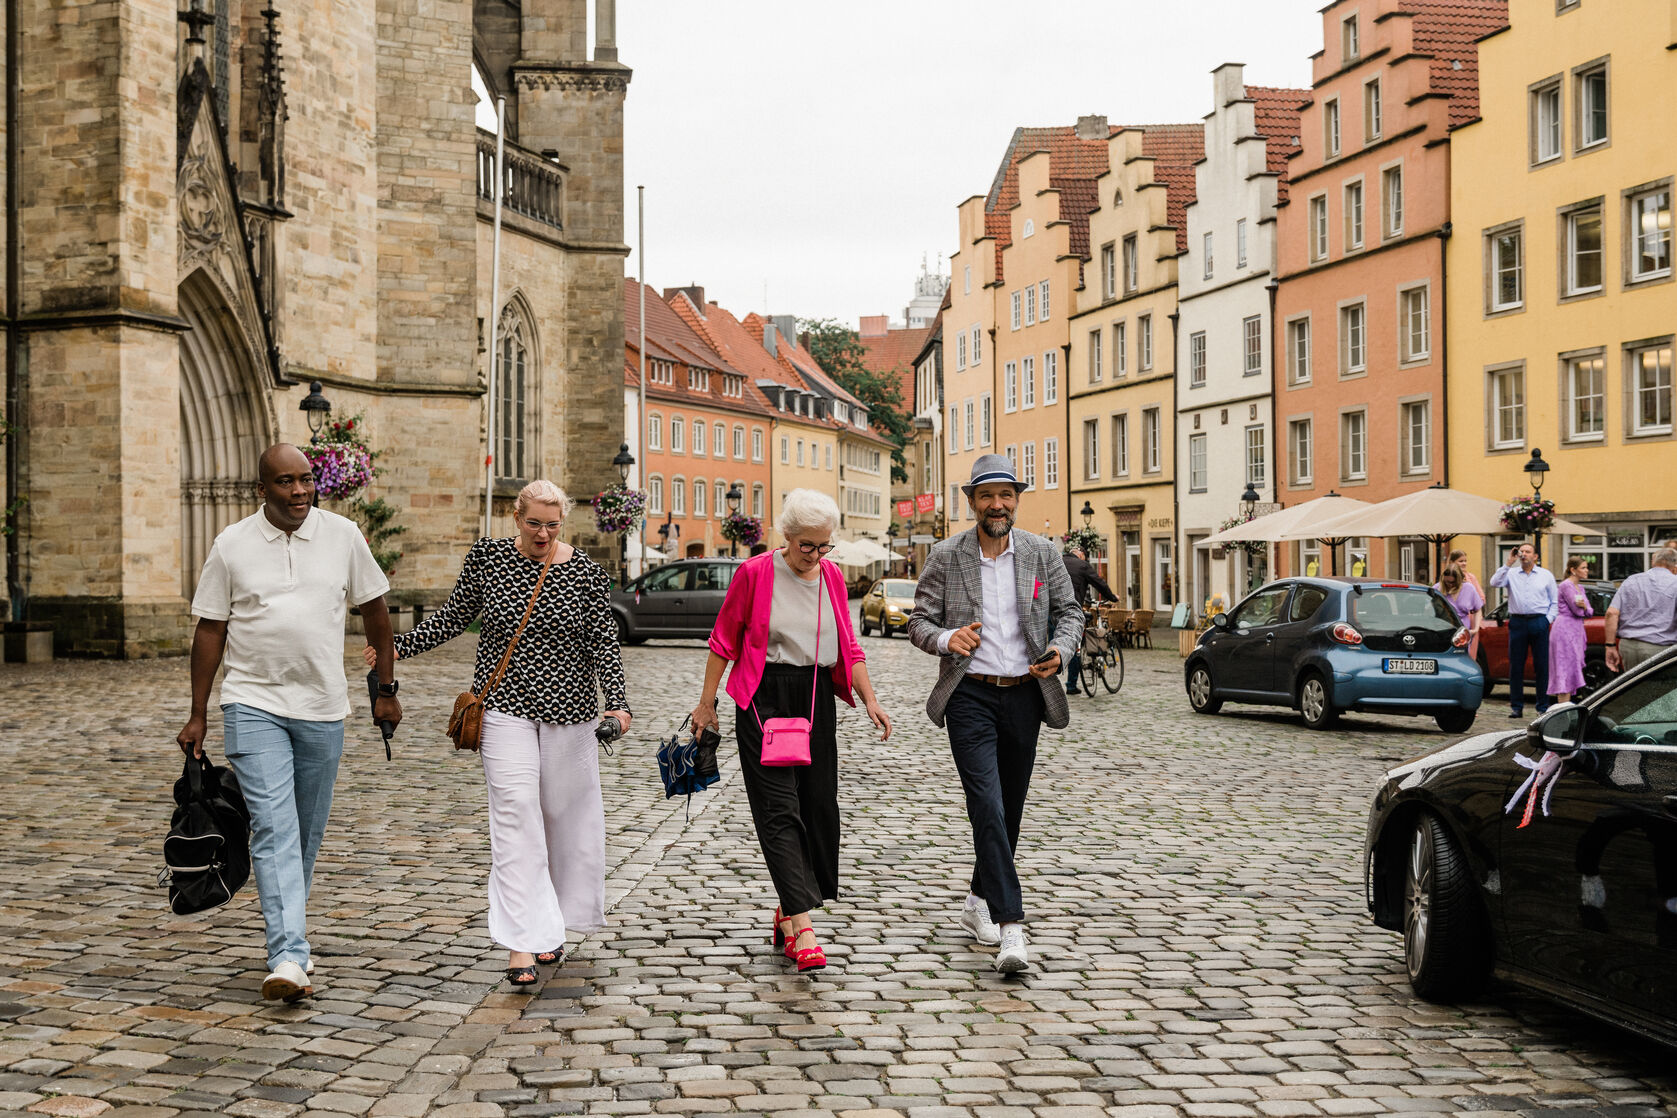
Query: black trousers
x=1528 y=631
x=992 y=734
x=795 y=808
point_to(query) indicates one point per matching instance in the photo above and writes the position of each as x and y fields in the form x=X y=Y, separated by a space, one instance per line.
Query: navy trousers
x=1527 y=632
x=992 y=734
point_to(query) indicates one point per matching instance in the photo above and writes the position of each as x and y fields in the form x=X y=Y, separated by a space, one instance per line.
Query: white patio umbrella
x=1294 y=523
x=856 y=553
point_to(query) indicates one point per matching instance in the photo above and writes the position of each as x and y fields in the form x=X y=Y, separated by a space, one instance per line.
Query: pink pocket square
x=1036 y=590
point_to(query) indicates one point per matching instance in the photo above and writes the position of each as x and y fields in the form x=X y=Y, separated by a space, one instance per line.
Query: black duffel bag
x=206 y=854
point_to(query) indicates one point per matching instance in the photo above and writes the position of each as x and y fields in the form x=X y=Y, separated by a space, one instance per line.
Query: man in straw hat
x=996 y=605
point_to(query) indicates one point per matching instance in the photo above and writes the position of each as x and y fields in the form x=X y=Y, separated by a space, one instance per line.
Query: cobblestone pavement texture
x=1200 y=946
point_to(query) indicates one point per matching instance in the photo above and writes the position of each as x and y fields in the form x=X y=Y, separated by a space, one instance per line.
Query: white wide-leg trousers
x=547 y=831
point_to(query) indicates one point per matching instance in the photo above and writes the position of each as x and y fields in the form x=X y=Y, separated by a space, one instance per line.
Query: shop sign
x=1620 y=537
x=1162 y=522
x=905 y=509
x=919 y=538
x=925 y=502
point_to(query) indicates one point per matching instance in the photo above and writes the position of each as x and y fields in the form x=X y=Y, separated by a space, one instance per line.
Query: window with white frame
x=1415 y=423
x=801 y=453
x=1196 y=359
x=1300 y=451
x=1206 y=252
x=1583 y=251
x=1298 y=351
x=1132 y=263
x=660 y=372
x=1017 y=300
x=698 y=378
x=719 y=507
x=1391 y=201
x=1545 y=120
x=1051 y=463
x=1010 y=387
x=1144 y=343
x=1196 y=464
x=1050 y=378
x=1353 y=215
x=1373 y=113
x=1353 y=339
x=1011 y=453
x=1152 y=451
x=1028 y=468
x=699 y=497
x=1042 y=301
x=1415 y=323
x=1350 y=43
x=1120 y=349
x=786 y=449
x=699 y=431
x=1030 y=304
x=654 y=432
x=829 y=457
x=739 y=443
x=1095 y=340
x=1240 y=243
x=1586 y=398
x=985 y=420
x=757 y=499
x=953 y=432
x=756 y=444
x=966 y=280
x=961 y=350
x=1120 y=445
x=1257 y=456
x=977 y=345
x=1319 y=227
x=1091 y=449
x=655 y=493
x=678 y=434
x=1650 y=234
x=1029 y=230
x=1027 y=378
x=719 y=441
x=1650 y=382
x=1163 y=582
x=1109 y=271
x=968 y=424
x=1508 y=407
x=1330 y=126
x=678 y=496
x=1505 y=263
x=1252 y=345
x=1353 y=446
x=1591 y=105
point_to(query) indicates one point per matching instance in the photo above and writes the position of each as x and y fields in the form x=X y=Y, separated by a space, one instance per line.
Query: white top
x=284 y=599
x=792 y=619
x=1529 y=592
x=1001 y=641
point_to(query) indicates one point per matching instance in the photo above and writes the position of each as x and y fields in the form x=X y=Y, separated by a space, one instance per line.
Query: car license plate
x=1396 y=666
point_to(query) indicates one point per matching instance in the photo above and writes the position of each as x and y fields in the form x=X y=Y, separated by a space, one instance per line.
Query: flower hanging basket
x=742 y=529
x=341 y=459
x=619 y=509
x=1086 y=540
x=1528 y=515
x=1251 y=547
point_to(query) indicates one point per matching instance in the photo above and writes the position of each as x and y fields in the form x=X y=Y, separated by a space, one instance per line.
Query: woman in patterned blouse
x=540 y=759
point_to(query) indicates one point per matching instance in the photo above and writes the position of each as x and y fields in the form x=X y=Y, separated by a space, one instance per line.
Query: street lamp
x=624 y=461
x=1537 y=468
x=1088 y=513
x=891 y=543
x=1248 y=501
x=316 y=406
x=735 y=498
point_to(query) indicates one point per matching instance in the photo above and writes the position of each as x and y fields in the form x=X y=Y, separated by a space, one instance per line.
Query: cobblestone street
x=1198 y=937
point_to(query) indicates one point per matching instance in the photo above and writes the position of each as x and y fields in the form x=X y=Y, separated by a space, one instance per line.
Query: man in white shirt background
x=272 y=600
x=1533 y=602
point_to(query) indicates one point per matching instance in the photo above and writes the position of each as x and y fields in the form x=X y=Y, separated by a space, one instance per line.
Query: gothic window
x=515 y=392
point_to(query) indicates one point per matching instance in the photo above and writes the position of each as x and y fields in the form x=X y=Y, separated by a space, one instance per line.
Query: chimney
x=1092 y=128
x=693 y=291
x=875 y=325
x=770 y=341
x=788 y=325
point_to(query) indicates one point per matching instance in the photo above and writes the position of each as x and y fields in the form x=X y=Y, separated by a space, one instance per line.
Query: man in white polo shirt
x=272 y=598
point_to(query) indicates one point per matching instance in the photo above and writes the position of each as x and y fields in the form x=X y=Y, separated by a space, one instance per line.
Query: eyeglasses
x=538 y=525
x=815 y=548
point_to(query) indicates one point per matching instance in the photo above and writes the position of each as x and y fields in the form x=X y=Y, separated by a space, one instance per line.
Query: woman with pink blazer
x=785 y=626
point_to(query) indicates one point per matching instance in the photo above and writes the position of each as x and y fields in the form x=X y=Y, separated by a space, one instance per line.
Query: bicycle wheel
x=1112 y=669
x=1094 y=667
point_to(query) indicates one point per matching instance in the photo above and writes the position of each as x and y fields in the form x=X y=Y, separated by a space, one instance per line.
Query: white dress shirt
x=1001 y=642
x=1529 y=592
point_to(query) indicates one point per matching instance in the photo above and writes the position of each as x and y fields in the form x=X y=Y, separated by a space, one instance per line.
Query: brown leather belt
x=999 y=680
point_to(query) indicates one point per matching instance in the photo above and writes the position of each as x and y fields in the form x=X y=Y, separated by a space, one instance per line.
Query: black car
x=1579 y=904
x=1327 y=645
x=679 y=599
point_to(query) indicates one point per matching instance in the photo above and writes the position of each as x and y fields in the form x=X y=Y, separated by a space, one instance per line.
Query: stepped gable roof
x=1174 y=149
x=1277 y=119
x=1449 y=31
x=1073 y=166
x=895 y=351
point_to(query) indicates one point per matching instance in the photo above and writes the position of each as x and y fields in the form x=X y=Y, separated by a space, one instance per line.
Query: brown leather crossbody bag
x=465 y=725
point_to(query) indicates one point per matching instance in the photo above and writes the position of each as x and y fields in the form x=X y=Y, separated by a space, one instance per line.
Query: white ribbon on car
x=1545 y=774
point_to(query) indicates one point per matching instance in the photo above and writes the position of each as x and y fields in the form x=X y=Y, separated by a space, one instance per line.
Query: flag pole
x=494 y=320
x=640 y=406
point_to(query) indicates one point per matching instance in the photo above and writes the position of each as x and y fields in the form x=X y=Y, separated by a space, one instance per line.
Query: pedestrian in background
x=1466 y=600
x=1458 y=560
x=1642 y=618
x=547 y=832
x=785 y=627
x=995 y=605
x=271 y=601
x=1083 y=579
x=1533 y=603
x=1567 y=639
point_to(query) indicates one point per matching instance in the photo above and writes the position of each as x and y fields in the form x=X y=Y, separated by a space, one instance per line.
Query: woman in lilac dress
x=1567 y=640
x=1466 y=600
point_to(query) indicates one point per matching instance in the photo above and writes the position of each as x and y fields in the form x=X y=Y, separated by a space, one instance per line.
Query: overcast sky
x=817 y=150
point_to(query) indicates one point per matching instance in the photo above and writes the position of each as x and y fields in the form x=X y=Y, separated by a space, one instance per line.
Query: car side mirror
x=1220 y=620
x=1558 y=729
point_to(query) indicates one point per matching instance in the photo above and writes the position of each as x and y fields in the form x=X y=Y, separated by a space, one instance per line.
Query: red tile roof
x=894 y=352
x=1174 y=149
x=1073 y=166
x=667 y=336
x=1277 y=112
x=1449 y=31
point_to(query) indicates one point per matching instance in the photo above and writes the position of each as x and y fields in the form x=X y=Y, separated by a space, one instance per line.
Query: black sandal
x=522 y=976
x=548 y=958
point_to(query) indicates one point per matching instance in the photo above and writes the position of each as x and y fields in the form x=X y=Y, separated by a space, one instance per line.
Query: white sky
x=819 y=149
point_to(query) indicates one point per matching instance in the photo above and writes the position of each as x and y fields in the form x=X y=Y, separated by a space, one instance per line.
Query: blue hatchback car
x=1328 y=645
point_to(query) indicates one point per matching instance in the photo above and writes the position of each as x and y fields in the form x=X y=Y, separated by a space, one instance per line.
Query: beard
x=996 y=526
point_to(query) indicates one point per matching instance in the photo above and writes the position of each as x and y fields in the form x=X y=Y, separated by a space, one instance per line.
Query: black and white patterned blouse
x=571 y=640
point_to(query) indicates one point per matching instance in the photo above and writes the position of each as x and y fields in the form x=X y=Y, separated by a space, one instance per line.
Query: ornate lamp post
x=1248 y=505
x=735 y=498
x=1536 y=468
x=891 y=544
x=624 y=461
x=316 y=406
x=1088 y=513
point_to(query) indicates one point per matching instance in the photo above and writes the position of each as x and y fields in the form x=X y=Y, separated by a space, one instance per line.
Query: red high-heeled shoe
x=781 y=939
x=807 y=958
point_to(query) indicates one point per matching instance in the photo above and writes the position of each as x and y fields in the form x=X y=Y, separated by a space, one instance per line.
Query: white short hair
x=805 y=511
x=541 y=492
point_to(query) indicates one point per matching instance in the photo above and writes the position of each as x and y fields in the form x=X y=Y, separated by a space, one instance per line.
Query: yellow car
x=887 y=605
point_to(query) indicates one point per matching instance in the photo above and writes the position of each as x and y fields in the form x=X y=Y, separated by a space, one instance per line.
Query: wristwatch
x=388 y=690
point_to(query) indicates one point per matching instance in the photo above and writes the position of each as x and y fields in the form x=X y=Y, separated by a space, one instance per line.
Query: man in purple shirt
x=1642 y=621
x=1533 y=602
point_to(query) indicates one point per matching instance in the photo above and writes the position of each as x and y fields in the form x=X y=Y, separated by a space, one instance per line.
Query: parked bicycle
x=1103 y=656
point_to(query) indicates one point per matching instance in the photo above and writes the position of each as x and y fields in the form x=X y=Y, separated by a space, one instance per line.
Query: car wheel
x=1314 y=703
x=864 y=624
x=626 y=637
x=1456 y=721
x=1443 y=935
x=1201 y=695
x=1485 y=673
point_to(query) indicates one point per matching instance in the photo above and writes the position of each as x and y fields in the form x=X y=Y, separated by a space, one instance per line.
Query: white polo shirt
x=284 y=599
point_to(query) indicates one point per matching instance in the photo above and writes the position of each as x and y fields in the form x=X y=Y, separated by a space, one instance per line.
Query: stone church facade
x=212 y=205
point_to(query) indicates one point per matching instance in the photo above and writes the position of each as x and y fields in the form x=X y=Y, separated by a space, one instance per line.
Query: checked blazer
x=950 y=595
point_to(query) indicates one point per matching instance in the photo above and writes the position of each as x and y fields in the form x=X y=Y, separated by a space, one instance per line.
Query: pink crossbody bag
x=786 y=740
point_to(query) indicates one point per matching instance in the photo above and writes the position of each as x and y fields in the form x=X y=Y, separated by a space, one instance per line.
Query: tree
x=838 y=350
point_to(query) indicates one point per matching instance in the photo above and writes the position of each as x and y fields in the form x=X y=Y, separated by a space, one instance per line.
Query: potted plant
x=1086 y=540
x=618 y=509
x=1528 y=515
x=747 y=531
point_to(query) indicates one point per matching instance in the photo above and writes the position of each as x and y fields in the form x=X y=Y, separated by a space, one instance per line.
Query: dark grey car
x=679 y=599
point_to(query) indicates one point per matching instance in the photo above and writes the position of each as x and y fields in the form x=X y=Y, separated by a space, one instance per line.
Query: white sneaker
x=308 y=967
x=288 y=983
x=1012 y=958
x=975 y=918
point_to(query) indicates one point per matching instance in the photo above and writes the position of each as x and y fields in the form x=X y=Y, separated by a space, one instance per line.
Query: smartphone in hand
x=1044 y=658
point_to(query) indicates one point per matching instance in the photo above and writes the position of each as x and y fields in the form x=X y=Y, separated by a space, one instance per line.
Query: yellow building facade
x=969 y=366
x=1123 y=360
x=1562 y=300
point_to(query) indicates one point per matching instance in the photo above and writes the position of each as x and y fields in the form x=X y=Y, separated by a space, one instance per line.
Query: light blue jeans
x=286 y=769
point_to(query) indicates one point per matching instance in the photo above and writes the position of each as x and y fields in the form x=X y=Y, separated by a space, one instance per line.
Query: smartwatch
x=388 y=690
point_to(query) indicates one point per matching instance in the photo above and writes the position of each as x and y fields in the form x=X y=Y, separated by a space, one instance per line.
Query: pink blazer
x=741 y=633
